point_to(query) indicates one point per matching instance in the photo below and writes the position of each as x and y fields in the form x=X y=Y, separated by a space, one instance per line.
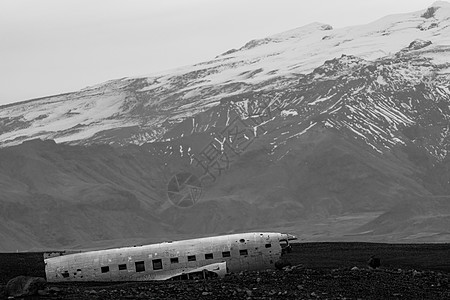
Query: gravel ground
x=327 y=271
x=296 y=283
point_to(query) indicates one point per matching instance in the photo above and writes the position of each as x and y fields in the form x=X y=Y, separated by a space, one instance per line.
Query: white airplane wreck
x=185 y=259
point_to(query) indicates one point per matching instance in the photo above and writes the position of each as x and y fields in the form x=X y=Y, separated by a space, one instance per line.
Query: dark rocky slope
x=352 y=150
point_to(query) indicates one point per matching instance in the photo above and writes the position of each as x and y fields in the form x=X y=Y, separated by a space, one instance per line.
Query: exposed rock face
x=418 y=44
x=430 y=12
x=140 y=110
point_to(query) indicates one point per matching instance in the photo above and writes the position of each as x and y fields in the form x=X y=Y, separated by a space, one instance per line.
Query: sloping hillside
x=350 y=143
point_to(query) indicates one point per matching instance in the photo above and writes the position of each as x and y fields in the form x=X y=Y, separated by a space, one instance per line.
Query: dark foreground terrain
x=321 y=271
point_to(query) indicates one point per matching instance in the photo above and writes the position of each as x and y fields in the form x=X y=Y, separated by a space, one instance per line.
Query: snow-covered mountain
x=142 y=109
x=328 y=133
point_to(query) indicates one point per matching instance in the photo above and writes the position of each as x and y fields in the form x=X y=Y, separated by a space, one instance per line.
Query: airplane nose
x=291 y=237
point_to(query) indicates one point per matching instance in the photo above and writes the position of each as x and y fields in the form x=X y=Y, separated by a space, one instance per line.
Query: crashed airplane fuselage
x=186 y=259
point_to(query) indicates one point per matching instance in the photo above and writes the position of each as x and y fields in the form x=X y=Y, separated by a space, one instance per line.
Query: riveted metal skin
x=210 y=256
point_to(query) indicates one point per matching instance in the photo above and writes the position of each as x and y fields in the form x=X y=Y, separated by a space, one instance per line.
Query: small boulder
x=374 y=262
x=418 y=44
x=22 y=286
x=43 y=292
x=54 y=289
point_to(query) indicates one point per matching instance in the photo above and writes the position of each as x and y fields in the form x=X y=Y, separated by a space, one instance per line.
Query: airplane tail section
x=58 y=253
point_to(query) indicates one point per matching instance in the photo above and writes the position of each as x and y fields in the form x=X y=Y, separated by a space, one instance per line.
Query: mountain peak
x=290 y=34
x=302 y=31
x=308 y=28
x=441 y=4
x=435 y=10
x=94 y=114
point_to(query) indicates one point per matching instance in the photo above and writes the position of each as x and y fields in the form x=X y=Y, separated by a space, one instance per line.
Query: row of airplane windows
x=157 y=263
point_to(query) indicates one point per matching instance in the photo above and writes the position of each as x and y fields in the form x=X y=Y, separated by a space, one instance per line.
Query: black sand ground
x=413 y=271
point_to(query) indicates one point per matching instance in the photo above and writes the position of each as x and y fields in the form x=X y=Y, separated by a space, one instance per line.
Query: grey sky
x=54 y=46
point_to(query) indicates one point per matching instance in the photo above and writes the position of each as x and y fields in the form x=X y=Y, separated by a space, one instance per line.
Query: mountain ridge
x=326 y=145
x=200 y=86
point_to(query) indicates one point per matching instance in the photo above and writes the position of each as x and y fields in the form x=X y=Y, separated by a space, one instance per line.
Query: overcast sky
x=55 y=46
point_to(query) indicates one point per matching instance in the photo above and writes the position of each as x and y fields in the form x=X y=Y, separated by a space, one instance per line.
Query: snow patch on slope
x=177 y=94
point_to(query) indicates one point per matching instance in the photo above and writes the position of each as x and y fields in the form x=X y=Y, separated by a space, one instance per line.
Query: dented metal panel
x=234 y=253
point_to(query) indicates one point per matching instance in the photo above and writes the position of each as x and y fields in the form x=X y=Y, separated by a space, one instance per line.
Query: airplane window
x=105 y=269
x=157 y=264
x=140 y=266
x=243 y=252
x=122 y=267
x=268 y=245
x=174 y=260
x=226 y=254
x=191 y=258
x=242 y=240
x=209 y=256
